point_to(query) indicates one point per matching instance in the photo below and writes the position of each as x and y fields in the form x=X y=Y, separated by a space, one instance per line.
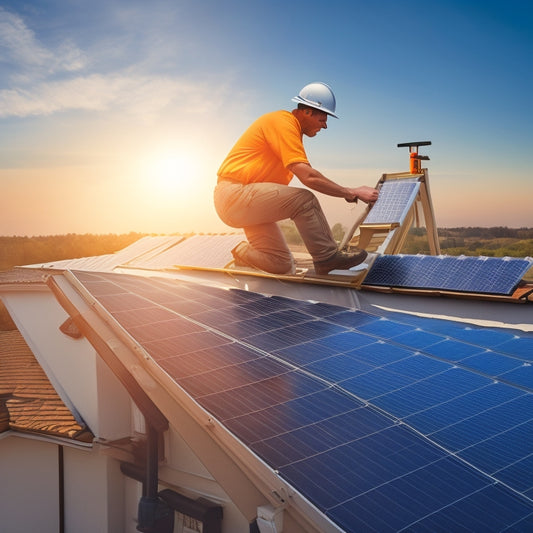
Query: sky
x=115 y=115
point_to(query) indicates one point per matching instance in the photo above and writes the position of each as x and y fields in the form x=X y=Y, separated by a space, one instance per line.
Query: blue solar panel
x=485 y=275
x=489 y=423
x=521 y=376
x=453 y=350
x=463 y=407
x=492 y=364
x=395 y=199
x=383 y=424
x=498 y=510
x=502 y=450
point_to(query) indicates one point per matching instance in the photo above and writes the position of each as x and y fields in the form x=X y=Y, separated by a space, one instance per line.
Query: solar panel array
x=395 y=199
x=211 y=251
x=484 y=275
x=385 y=423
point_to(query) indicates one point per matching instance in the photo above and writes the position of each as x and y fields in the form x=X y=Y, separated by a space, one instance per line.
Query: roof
x=474 y=277
x=382 y=422
x=376 y=419
x=28 y=402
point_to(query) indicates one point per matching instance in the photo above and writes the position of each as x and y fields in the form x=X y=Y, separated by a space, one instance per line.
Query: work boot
x=340 y=261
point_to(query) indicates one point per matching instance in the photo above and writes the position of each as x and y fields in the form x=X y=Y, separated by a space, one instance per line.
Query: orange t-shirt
x=265 y=150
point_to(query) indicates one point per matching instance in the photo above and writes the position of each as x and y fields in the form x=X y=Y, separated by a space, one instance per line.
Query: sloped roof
x=384 y=422
x=212 y=253
x=28 y=402
x=140 y=251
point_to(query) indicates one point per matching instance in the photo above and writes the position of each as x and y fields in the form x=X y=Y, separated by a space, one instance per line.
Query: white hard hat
x=317 y=95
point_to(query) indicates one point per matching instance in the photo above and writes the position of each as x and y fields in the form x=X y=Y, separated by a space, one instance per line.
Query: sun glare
x=172 y=189
x=170 y=173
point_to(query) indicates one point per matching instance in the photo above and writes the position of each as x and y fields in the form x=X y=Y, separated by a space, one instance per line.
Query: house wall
x=29 y=487
x=86 y=385
x=98 y=497
x=95 y=490
x=182 y=471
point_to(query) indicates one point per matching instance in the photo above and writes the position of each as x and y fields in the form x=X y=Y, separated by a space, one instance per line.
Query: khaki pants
x=258 y=206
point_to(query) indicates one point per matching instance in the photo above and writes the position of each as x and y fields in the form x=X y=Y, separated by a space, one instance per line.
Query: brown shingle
x=28 y=401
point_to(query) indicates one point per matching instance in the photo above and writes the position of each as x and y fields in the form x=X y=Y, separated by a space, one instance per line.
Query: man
x=253 y=190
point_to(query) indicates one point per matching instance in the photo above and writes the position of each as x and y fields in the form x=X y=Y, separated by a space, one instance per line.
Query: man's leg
x=263 y=203
x=266 y=249
x=257 y=206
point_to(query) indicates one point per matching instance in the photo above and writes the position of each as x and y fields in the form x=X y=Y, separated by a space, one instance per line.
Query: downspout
x=150 y=485
x=156 y=509
x=154 y=515
x=61 y=484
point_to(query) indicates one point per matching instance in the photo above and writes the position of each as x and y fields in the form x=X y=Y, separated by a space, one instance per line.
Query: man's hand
x=367 y=194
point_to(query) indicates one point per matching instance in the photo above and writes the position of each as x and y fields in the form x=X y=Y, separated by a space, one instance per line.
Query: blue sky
x=114 y=116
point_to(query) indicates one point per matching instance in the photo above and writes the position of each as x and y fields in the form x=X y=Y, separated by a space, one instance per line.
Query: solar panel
x=384 y=424
x=395 y=199
x=485 y=275
x=198 y=250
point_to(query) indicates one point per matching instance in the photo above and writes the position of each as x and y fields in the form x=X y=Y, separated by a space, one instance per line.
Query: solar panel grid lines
x=281 y=448
x=436 y=389
x=489 y=423
x=462 y=407
x=362 y=415
x=492 y=364
x=345 y=340
x=163 y=329
x=294 y=334
x=518 y=474
x=520 y=377
x=202 y=361
x=184 y=344
x=496 y=506
x=282 y=419
x=395 y=198
x=520 y=347
x=453 y=350
x=261 y=395
x=459 y=339
x=264 y=323
x=483 y=275
x=362 y=464
x=501 y=450
x=150 y=315
x=233 y=376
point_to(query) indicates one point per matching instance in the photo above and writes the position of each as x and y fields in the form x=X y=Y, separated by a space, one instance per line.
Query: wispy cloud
x=22 y=48
x=136 y=94
x=43 y=81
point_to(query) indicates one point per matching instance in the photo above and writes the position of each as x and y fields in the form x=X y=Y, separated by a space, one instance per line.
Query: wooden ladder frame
x=389 y=238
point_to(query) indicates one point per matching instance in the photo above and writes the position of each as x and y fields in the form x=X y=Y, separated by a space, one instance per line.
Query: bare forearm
x=315 y=180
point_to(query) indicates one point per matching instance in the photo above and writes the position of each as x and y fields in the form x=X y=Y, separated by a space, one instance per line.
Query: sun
x=171 y=188
x=166 y=175
x=170 y=173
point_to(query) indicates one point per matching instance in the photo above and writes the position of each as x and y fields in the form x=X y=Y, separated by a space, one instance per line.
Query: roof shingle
x=28 y=401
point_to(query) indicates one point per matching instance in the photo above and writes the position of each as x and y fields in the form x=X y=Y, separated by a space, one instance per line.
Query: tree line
x=477 y=241
x=16 y=251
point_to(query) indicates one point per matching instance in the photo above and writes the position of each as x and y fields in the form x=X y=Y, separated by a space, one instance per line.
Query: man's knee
x=307 y=201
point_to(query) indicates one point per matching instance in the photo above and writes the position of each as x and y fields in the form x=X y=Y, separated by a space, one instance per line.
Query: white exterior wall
x=183 y=472
x=29 y=486
x=98 y=497
x=94 y=489
x=94 y=492
x=84 y=382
